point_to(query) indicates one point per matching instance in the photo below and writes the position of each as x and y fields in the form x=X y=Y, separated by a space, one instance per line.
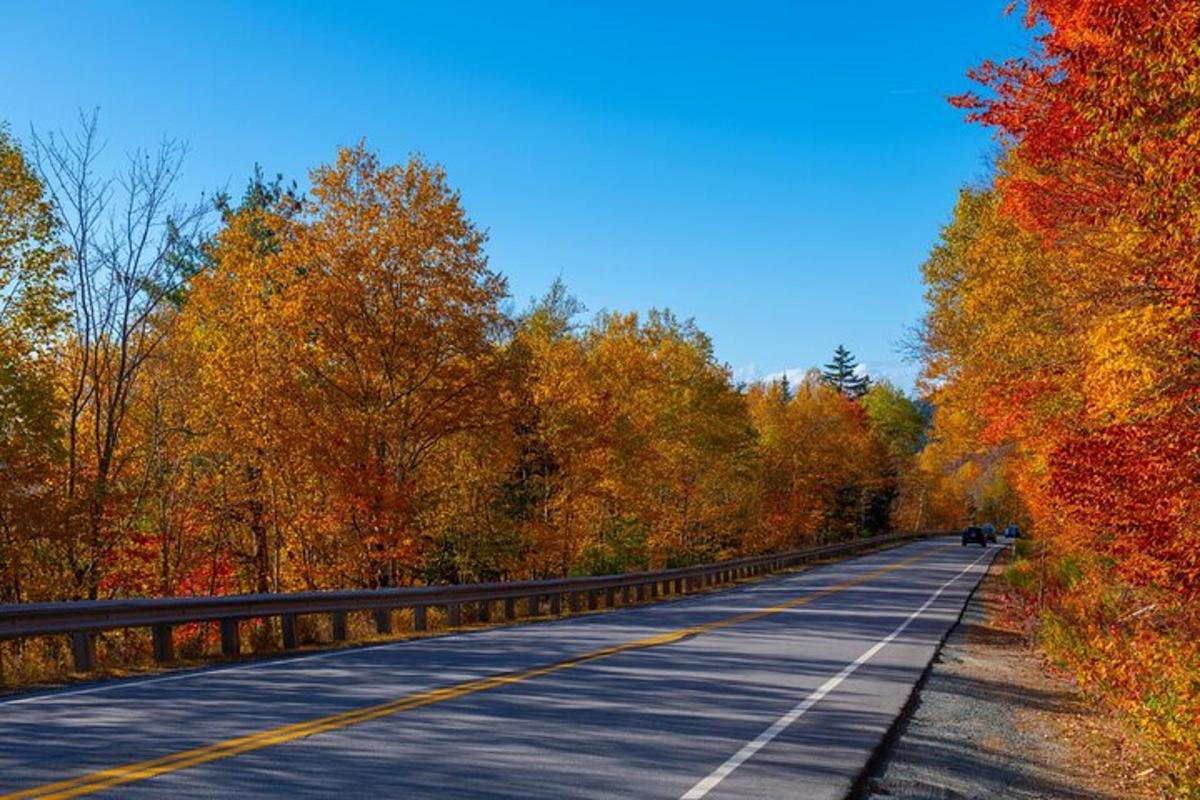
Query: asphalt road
x=776 y=689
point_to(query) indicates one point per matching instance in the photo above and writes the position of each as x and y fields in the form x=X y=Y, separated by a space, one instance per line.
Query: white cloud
x=794 y=375
x=745 y=374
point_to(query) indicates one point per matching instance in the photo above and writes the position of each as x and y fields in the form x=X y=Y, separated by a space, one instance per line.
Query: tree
x=393 y=325
x=901 y=425
x=127 y=239
x=1100 y=175
x=899 y=420
x=843 y=374
x=823 y=467
x=243 y=414
x=31 y=320
x=1062 y=338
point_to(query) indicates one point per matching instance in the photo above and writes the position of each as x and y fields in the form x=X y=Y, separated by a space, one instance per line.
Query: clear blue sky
x=775 y=170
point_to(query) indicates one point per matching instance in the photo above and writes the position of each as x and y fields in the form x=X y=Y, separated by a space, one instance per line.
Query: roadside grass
x=1133 y=649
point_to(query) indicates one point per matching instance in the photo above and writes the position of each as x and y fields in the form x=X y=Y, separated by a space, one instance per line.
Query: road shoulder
x=992 y=721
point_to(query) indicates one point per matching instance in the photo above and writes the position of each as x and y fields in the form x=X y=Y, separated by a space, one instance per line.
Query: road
x=775 y=689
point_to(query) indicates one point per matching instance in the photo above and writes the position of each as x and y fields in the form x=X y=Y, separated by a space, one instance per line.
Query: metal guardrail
x=82 y=620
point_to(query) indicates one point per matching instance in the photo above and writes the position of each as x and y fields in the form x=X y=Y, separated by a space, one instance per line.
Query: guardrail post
x=593 y=599
x=533 y=606
x=641 y=592
x=288 y=623
x=383 y=620
x=679 y=586
x=453 y=617
x=164 y=645
x=338 y=620
x=231 y=643
x=485 y=611
x=510 y=608
x=418 y=617
x=653 y=590
x=83 y=651
x=626 y=594
x=555 y=604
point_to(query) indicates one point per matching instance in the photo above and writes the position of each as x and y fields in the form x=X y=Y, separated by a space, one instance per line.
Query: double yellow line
x=173 y=762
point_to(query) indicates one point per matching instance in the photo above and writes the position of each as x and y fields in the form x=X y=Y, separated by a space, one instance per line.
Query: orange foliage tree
x=1064 y=332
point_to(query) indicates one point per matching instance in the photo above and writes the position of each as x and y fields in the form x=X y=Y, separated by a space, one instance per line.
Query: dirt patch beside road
x=993 y=721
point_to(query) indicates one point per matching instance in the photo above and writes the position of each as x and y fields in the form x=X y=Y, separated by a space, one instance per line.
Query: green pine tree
x=842 y=374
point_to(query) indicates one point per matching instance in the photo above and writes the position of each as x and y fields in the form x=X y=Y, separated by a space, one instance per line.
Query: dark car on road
x=974 y=533
x=989 y=531
x=1012 y=532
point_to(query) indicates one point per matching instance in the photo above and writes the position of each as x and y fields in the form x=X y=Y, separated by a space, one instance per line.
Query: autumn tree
x=31 y=319
x=393 y=323
x=1103 y=137
x=1063 y=336
x=126 y=237
x=823 y=463
x=681 y=441
x=242 y=418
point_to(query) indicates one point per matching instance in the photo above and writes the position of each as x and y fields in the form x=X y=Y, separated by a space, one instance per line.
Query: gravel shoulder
x=993 y=721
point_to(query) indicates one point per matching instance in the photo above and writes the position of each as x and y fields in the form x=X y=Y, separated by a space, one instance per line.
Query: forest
x=1063 y=343
x=295 y=390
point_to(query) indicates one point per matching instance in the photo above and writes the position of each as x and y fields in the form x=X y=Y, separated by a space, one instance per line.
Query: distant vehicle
x=989 y=530
x=1012 y=532
x=974 y=533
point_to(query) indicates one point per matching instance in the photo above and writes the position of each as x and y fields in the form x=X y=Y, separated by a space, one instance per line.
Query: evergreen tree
x=785 y=388
x=842 y=374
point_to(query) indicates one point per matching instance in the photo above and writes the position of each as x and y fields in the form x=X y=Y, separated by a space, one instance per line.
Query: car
x=989 y=530
x=974 y=533
x=1012 y=532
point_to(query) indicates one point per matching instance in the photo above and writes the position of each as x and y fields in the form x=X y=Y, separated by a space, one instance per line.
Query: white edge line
x=722 y=772
x=254 y=665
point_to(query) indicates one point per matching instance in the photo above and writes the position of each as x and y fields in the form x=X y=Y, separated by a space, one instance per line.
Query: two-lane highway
x=781 y=688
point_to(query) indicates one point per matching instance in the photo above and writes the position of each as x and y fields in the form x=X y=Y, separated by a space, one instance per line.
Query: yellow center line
x=173 y=762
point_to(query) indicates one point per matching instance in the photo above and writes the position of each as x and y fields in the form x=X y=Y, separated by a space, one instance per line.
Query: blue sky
x=775 y=170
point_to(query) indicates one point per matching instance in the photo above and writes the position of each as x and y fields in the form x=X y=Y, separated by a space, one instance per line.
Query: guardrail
x=82 y=620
